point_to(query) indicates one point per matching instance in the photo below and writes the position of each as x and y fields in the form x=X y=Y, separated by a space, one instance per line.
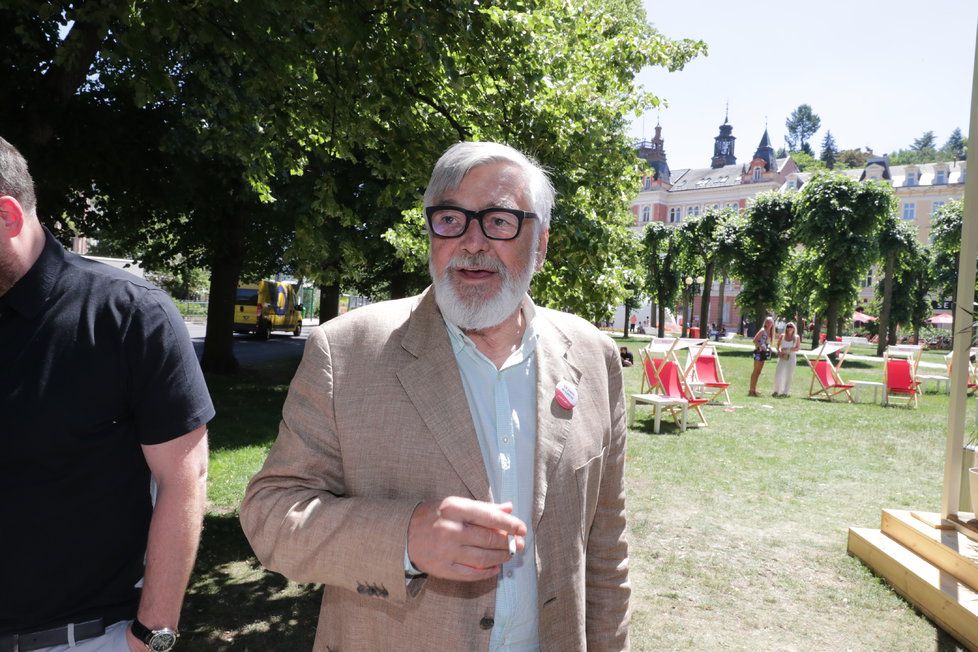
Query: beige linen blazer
x=376 y=420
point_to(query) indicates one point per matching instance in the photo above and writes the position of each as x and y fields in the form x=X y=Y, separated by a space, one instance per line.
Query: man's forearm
x=174 y=534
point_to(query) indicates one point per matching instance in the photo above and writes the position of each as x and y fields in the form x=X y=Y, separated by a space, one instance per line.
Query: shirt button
x=509 y=573
x=505 y=440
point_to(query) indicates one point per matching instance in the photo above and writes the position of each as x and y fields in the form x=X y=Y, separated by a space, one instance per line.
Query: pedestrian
x=763 y=339
x=627 y=359
x=788 y=345
x=450 y=465
x=100 y=391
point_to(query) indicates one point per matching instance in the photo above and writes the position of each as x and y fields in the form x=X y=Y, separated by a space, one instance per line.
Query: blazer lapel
x=553 y=421
x=433 y=384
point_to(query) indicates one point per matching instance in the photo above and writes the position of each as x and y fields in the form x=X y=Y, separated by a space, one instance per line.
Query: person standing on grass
x=450 y=465
x=763 y=339
x=788 y=345
x=100 y=390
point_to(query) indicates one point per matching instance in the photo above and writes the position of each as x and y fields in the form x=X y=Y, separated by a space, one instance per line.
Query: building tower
x=654 y=154
x=723 y=147
x=766 y=153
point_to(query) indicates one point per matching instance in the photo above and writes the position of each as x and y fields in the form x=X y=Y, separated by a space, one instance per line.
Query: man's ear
x=11 y=217
x=542 y=248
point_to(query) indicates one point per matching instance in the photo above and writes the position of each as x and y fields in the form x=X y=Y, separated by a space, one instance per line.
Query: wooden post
x=963 y=319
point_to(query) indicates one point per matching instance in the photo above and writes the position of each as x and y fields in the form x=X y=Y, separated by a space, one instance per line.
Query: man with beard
x=100 y=389
x=450 y=466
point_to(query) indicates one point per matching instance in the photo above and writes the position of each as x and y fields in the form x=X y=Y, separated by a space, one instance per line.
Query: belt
x=49 y=637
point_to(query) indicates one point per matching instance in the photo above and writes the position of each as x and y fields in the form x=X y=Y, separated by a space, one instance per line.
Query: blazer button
x=487 y=622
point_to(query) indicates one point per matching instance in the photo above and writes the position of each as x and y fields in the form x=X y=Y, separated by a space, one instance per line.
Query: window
x=675 y=214
x=757 y=174
x=940 y=177
x=692 y=210
x=646 y=213
x=911 y=178
x=733 y=204
x=936 y=207
x=909 y=211
x=647 y=184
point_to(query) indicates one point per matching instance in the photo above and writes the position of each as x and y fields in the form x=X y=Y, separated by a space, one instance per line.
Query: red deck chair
x=709 y=375
x=653 y=394
x=674 y=386
x=830 y=383
x=899 y=381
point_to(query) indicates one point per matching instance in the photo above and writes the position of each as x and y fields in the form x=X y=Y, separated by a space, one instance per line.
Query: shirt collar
x=29 y=294
x=460 y=340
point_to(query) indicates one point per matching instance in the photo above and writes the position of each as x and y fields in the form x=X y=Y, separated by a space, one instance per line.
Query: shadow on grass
x=249 y=404
x=233 y=603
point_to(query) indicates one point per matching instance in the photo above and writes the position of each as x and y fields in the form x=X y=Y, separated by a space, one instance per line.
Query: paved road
x=249 y=350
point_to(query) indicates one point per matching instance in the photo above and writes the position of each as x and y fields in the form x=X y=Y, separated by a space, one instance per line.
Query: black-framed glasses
x=496 y=223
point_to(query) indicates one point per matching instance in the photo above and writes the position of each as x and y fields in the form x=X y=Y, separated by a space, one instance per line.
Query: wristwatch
x=158 y=640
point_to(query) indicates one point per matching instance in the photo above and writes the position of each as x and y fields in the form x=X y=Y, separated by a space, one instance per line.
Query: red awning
x=941 y=318
x=862 y=318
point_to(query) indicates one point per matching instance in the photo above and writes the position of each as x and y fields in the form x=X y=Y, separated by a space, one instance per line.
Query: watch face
x=162 y=641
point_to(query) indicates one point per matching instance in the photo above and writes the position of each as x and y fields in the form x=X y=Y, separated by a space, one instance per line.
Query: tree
x=829 y=152
x=383 y=85
x=839 y=219
x=661 y=277
x=801 y=125
x=956 y=147
x=946 y=247
x=728 y=238
x=806 y=162
x=927 y=141
x=850 y=159
x=911 y=284
x=766 y=239
x=707 y=248
x=896 y=238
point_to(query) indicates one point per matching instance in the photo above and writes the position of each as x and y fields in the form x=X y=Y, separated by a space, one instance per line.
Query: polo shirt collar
x=31 y=292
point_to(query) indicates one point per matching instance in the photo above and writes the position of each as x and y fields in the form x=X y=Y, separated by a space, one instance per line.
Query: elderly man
x=99 y=389
x=450 y=466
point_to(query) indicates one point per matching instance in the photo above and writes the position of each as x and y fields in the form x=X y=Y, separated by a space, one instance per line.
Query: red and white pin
x=566 y=395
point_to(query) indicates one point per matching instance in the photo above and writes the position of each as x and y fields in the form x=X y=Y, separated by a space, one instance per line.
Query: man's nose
x=473 y=239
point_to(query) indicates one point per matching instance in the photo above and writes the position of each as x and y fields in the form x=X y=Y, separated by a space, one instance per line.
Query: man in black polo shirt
x=99 y=389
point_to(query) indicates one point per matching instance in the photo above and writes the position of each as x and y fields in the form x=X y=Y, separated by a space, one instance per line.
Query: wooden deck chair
x=826 y=374
x=708 y=376
x=899 y=380
x=972 y=378
x=673 y=385
x=677 y=407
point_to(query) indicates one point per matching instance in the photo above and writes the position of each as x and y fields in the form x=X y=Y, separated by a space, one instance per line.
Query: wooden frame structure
x=900 y=374
x=707 y=375
x=665 y=383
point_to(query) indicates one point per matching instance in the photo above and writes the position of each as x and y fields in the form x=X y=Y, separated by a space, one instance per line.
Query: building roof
x=926 y=173
x=699 y=178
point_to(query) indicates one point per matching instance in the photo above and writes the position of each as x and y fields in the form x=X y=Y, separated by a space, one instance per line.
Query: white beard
x=476 y=309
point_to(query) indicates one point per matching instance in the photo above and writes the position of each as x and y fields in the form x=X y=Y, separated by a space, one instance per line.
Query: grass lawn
x=737 y=530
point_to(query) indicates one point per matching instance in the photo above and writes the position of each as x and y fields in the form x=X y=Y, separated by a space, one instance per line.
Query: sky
x=879 y=73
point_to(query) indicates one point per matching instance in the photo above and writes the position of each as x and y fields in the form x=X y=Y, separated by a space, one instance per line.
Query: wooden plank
x=949 y=603
x=948 y=550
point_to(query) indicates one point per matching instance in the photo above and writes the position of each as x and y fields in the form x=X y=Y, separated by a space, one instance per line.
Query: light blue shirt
x=503 y=403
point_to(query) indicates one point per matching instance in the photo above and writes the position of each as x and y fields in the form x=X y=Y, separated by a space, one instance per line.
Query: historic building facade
x=670 y=196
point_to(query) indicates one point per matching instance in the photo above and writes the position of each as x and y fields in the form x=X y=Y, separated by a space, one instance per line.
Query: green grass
x=737 y=530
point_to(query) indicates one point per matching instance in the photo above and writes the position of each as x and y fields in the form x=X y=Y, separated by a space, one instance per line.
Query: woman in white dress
x=788 y=345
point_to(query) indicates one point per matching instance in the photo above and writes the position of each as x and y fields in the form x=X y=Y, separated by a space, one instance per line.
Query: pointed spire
x=726 y=112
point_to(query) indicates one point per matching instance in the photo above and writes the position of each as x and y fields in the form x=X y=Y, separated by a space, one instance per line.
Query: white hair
x=458 y=159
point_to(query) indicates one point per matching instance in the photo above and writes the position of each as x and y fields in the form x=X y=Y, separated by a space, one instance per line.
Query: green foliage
x=801 y=125
x=807 y=163
x=956 y=147
x=839 y=219
x=927 y=141
x=660 y=254
x=830 y=152
x=766 y=238
x=852 y=159
x=911 y=277
x=945 y=237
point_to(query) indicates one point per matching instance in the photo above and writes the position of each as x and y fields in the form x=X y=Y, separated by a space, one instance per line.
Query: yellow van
x=267 y=306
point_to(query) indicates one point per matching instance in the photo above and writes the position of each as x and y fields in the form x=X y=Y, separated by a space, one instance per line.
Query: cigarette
x=512 y=545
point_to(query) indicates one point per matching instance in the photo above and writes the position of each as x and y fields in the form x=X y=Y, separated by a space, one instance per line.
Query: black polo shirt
x=94 y=362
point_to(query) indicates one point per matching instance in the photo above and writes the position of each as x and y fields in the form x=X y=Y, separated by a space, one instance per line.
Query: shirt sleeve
x=167 y=393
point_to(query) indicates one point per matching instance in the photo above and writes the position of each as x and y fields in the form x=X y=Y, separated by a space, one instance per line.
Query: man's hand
x=462 y=539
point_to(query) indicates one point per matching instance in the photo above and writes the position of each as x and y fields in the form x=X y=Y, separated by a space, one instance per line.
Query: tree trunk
x=662 y=319
x=705 y=301
x=884 y=321
x=226 y=262
x=720 y=297
x=817 y=330
x=832 y=321
x=685 y=330
x=329 y=302
x=628 y=313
